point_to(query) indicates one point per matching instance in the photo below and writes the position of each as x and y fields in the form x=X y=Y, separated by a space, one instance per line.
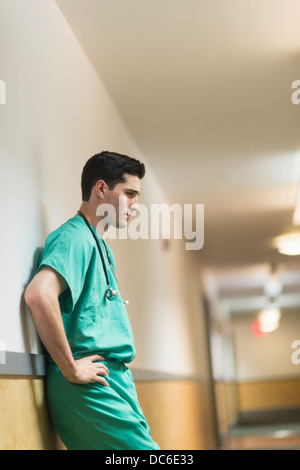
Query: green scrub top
x=93 y=324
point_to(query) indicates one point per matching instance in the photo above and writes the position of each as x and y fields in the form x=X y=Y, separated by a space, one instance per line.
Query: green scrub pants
x=95 y=417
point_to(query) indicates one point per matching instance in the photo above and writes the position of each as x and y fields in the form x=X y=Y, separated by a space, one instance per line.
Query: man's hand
x=89 y=371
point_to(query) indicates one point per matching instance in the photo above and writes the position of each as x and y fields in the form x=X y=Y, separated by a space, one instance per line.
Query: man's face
x=124 y=199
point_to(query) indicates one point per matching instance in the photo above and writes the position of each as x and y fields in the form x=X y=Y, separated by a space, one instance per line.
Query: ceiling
x=204 y=86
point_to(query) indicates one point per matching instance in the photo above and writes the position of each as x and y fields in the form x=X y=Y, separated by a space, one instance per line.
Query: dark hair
x=110 y=167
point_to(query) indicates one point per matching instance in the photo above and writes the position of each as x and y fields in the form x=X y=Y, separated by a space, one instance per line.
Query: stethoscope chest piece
x=111 y=293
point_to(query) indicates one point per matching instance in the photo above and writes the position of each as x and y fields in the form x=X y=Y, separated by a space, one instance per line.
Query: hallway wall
x=58 y=114
x=25 y=423
x=267 y=378
x=185 y=430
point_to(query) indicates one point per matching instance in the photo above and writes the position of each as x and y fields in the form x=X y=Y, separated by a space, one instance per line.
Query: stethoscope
x=110 y=293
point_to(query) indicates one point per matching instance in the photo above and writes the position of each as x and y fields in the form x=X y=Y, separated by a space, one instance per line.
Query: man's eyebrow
x=128 y=190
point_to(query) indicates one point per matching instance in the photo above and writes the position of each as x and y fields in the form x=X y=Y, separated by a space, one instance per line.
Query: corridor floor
x=283 y=436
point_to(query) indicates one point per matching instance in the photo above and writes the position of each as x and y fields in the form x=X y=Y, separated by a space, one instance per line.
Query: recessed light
x=289 y=244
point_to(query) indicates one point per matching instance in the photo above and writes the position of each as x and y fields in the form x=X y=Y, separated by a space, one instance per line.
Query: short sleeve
x=69 y=256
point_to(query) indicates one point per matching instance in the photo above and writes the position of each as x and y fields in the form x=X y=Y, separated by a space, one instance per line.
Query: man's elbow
x=43 y=291
x=34 y=297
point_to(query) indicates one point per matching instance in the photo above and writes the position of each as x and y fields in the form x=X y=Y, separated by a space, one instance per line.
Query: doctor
x=86 y=331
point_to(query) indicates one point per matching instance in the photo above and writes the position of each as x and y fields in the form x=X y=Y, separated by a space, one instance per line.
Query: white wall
x=268 y=357
x=58 y=114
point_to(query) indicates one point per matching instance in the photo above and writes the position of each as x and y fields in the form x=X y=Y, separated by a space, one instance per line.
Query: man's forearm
x=41 y=296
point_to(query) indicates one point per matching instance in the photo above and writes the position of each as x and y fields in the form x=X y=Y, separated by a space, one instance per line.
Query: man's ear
x=101 y=188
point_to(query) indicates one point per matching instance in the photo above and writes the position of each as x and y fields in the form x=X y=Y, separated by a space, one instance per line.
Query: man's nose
x=134 y=204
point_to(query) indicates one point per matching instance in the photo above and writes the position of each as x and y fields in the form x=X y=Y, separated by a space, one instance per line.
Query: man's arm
x=41 y=296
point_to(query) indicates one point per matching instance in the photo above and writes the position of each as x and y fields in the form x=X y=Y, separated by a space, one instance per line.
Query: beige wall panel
x=227 y=404
x=269 y=394
x=178 y=413
x=25 y=423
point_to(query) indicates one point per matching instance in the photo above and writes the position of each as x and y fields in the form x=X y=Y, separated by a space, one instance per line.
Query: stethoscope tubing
x=110 y=292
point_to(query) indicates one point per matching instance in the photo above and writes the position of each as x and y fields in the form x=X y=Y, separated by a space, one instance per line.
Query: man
x=81 y=319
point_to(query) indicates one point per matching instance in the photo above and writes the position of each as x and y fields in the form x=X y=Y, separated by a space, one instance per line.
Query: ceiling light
x=289 y=244
x=269 y=319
